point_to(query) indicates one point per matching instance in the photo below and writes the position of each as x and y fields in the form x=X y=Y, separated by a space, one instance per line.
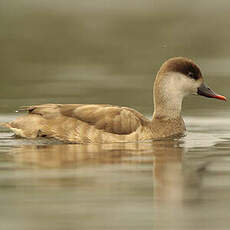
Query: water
x=108 y=52
x=174 y=184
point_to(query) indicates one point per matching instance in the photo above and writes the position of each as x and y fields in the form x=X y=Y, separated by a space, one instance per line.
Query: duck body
x=78 y=123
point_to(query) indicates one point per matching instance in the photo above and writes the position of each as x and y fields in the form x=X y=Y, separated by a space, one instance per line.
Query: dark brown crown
x=182 y=65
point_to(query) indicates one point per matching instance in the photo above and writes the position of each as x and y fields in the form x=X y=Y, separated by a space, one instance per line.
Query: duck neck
x=167 y=110
x=167 y=102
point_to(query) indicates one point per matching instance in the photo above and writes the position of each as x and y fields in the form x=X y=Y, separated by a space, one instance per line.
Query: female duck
x=77 y=123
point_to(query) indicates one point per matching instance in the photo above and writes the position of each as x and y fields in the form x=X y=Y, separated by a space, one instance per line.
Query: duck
x=177 y=78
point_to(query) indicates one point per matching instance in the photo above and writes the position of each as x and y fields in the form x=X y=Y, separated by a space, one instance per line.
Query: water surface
x=173 y=184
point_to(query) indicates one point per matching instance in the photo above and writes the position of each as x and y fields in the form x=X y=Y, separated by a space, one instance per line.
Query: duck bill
x=203 y=90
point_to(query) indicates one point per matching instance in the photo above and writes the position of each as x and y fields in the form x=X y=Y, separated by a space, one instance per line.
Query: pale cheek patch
x=188 y=86
x=178 y=86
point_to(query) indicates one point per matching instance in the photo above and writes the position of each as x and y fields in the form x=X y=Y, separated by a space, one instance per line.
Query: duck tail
x=4 y=124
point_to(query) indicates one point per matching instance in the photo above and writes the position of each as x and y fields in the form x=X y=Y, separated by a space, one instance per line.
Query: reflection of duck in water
x=76 y=123
x=72 y=155
x=162 y=159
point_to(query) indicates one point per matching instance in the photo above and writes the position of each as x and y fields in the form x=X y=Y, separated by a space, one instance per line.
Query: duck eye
x=191 y=74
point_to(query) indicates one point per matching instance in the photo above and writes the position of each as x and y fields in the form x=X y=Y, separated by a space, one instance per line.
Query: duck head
x=179 y=77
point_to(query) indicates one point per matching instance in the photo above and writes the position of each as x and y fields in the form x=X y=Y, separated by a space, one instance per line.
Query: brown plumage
x=77 y=123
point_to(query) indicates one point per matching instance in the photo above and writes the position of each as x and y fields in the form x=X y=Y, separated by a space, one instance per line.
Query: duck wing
x=111 y=119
